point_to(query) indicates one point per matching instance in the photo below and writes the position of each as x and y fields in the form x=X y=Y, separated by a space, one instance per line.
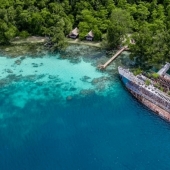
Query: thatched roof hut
x=90 y=36
x=74 y=33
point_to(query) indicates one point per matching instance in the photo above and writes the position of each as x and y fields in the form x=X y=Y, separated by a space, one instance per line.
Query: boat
x=147 y=93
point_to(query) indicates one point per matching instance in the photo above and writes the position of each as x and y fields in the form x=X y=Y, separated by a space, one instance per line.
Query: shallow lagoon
x=59 y=112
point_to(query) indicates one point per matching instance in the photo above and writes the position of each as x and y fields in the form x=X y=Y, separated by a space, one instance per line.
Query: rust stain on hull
x=158 y=110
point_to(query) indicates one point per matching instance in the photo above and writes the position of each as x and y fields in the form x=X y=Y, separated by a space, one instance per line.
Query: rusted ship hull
x=156 y=109
x=151 y=97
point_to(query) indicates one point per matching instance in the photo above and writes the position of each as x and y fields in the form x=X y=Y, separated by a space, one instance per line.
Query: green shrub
x=24 y=34
x=147 y=82
x=155 y=75
x=161 y=88
x=137 y=71
x=157 y=85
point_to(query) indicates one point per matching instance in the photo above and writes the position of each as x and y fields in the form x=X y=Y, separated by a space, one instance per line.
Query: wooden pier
x=164 y=69
x=113 y=58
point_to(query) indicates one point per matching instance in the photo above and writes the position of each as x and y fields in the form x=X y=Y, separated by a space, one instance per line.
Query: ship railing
x=157 y=92
x=135 y=79
x=131 y=76
x=158 y=98
x=164 y=95
x=155 y=102
x=152 y=96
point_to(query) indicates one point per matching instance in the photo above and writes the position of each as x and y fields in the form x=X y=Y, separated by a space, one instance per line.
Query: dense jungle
x=112 y=21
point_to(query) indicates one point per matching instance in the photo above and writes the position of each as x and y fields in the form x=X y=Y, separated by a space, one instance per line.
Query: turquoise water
x=62 y=114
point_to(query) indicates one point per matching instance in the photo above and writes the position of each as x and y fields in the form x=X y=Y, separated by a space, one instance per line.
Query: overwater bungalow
x=74 y=33
x=90 y=36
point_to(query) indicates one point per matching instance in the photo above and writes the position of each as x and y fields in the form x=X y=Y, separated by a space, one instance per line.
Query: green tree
x=120 y=25
x=151 y=48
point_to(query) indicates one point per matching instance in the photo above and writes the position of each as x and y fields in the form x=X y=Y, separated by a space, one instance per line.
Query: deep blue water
x=106 y=130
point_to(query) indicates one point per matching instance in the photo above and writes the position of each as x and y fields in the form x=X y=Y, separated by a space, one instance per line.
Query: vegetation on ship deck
x=111 y=21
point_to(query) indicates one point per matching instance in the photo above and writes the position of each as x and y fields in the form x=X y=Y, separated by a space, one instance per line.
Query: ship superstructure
x=149 y=95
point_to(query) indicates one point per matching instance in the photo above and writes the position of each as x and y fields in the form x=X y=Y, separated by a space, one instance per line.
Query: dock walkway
x=113 y=58
x=164 y=69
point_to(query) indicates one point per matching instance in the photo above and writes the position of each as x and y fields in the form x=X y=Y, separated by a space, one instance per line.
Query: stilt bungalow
x=90 y=36
x=74 y=33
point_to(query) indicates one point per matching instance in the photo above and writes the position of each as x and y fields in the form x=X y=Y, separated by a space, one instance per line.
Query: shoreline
x=29 y=40
x=36 y=44
x=41 y=40
x=89 y=43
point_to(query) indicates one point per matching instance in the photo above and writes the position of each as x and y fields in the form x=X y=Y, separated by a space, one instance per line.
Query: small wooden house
x=90 y=36
x=74 y=33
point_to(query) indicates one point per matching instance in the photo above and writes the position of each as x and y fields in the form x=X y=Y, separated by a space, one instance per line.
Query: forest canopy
x=148 y=23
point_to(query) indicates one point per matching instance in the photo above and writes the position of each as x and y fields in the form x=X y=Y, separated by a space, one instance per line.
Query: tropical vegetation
x=112 y=21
